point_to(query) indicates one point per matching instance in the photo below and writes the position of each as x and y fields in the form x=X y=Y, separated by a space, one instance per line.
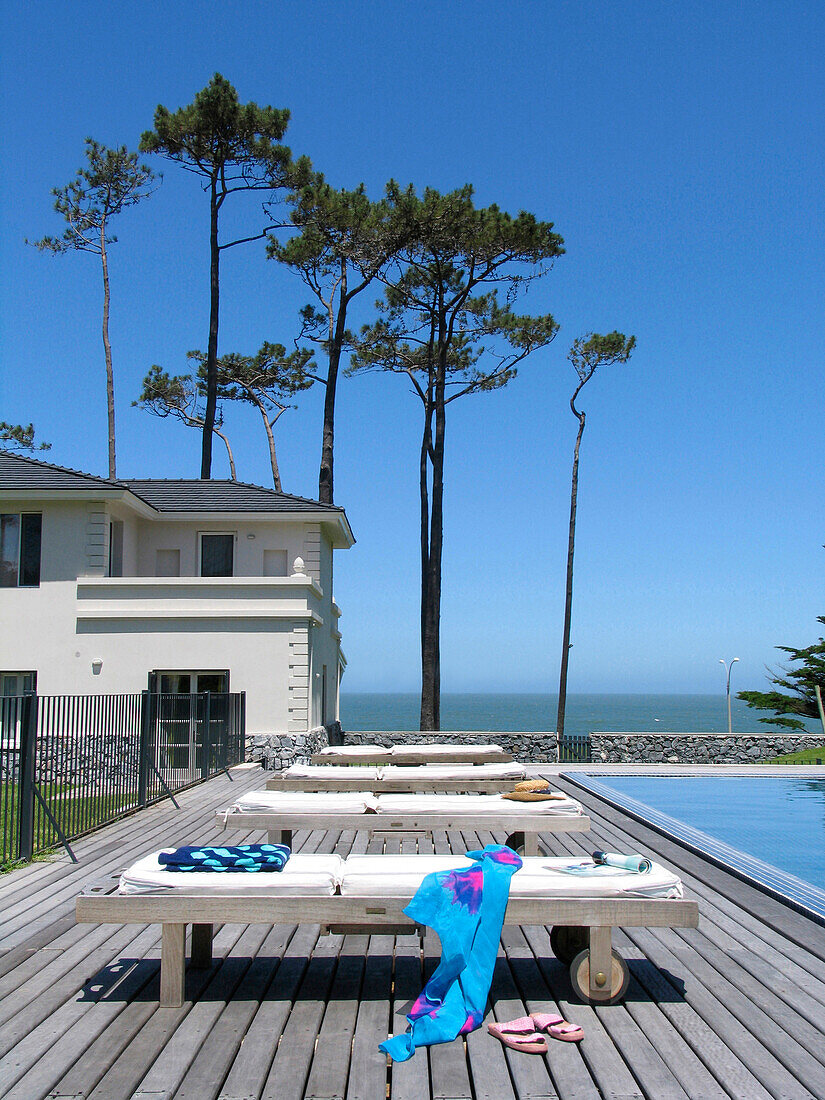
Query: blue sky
x=679 y=151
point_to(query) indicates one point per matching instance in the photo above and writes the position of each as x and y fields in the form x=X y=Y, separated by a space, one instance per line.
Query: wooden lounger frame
x=523 y=829
x=371 y=915
x=413 y=756
x=416 y=785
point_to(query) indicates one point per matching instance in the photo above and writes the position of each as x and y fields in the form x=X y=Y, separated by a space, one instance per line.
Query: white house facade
x=175 y=586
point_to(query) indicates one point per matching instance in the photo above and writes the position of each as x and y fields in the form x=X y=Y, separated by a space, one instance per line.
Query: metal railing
x=575 y=749
x=71 y=763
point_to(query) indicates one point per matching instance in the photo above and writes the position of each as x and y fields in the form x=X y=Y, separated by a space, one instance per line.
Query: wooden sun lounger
x=523 y=829
x=581 y=936
x=393 y=785
x=415 y=754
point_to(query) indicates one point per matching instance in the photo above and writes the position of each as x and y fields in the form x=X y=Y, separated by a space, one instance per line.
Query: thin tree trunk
x=212 y=347
x=325 y=473
x=820 y=708
x=568 y=601
x=232 y=473
x=423 y=481
x=431 y=640
x=107 y=348
x=273 y=460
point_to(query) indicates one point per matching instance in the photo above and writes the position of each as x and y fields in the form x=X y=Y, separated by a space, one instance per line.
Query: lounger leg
x=601 y=960
x=531 y=844
x=280 y=836
x=202 y=945
x=172 y=965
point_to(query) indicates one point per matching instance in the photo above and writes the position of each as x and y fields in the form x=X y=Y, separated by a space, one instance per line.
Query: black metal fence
x=70 y=763
x=575 y=749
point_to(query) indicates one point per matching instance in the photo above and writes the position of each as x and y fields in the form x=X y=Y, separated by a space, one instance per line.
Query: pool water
x=777 y=820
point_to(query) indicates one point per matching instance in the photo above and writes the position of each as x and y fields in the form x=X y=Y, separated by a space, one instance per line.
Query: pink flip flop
x=556 y=1026
x=519 y=1034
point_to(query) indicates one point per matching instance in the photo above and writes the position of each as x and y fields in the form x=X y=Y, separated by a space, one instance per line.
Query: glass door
x=180 y=721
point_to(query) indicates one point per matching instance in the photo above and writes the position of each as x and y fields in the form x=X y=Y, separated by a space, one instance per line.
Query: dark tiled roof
x=167 y=495
x=220 y=496
x=24 y=472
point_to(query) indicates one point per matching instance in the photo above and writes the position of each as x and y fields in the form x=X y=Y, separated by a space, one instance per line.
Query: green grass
x=67 y=807
x=807 y=756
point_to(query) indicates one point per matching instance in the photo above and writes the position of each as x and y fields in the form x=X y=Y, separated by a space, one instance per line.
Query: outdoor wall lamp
x=97 y=665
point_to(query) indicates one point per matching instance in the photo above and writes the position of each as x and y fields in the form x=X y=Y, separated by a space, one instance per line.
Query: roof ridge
x=117 y=482
x=228 y=481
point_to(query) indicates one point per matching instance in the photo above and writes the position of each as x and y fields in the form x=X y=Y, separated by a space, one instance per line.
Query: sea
x=585 y=713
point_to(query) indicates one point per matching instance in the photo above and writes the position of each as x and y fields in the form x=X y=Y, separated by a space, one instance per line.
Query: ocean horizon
x=536 y=713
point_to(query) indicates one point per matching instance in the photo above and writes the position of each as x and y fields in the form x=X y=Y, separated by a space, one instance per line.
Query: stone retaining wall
x=697 y=748
x=279 y=750
x=539 y=748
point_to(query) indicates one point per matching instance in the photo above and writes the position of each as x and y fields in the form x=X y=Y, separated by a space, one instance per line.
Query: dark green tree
x=803 y=687
x=182 y=397
x=345 y=240
x=20 y=437
x=587 y=354
x=443 y=327
x=113 y=181
x=233 y=147
x=265 y=380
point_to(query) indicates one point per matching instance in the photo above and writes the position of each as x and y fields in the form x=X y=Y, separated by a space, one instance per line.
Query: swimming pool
x=768 y=828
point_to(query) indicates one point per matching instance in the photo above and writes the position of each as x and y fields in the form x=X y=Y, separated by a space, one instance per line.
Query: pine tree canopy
x=216 y=132
x=800 y=683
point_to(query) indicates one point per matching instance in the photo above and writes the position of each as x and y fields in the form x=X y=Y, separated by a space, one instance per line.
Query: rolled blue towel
x=627 y=863
x=242 y=857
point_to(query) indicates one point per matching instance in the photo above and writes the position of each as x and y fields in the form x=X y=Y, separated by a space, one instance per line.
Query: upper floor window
x=20 y=549
x=116 y=548
x=217 y=555
x=275 y=563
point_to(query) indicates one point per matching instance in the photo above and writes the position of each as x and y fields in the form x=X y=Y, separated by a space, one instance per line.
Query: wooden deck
x=733 y=1009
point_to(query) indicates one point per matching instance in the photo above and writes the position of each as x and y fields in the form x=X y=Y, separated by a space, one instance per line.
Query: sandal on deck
x=556 y=1026
x=520 y=1034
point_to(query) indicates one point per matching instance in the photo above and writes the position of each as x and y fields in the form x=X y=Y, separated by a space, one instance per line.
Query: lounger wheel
x=516 y=841
x=614 y=985
x=568 y=940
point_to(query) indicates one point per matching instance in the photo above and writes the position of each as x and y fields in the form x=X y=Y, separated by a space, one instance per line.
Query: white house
x=176 y=586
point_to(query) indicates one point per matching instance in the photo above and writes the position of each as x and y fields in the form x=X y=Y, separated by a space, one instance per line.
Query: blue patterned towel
x=466 y=908
x=243 y=857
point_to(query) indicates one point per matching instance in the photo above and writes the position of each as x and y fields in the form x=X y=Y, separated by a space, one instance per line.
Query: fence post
x=144 y=747
x=28 y=742
x=206 y=746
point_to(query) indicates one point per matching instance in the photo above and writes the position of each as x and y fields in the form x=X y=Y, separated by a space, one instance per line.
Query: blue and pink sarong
x=466 y=909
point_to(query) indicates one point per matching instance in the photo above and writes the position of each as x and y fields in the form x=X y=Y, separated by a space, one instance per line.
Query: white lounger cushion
x=369 y=773
x=446 y=750
x=540 y=876
x=301 y=802
x=454 y=771
x=474 y=805
x=314 y=875
x=354 y=750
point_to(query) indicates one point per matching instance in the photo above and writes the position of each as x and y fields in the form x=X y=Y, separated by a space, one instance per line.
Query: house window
x=17 y=683
x=275 y=563
x=167 y=563
x=20 y=549
x=217 y=552
x=116 y=548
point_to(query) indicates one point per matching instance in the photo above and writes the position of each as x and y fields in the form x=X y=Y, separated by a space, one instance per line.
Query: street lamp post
x=728 y=668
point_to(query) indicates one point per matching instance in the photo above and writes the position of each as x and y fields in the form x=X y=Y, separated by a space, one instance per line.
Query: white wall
x=249 y=552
